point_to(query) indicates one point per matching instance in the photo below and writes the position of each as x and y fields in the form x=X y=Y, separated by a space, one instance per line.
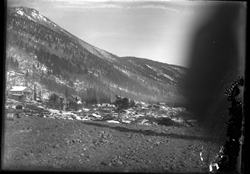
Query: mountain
x=42 y=53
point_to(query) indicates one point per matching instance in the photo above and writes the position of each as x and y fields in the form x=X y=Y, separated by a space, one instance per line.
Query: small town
x=64 y=134
x=22 y=101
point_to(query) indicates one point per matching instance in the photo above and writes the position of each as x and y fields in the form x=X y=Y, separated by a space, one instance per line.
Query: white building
x=21 y=93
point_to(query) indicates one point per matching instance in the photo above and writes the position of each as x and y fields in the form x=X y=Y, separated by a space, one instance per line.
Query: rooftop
x=20 y=88
x=75 y=96
x=58 y=94
x=17 y=94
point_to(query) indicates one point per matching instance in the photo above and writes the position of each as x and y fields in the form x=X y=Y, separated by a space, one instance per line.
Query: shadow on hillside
x=153 y=133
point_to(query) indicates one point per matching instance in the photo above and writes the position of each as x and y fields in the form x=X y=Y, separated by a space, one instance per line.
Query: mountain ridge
x=63 y=56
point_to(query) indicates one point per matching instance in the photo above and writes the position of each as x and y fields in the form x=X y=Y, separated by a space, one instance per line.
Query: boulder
x=78 y=118
x=96 y=115
x=85 y=109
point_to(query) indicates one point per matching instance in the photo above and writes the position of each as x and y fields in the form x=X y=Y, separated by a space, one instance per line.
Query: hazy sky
x=157 y=30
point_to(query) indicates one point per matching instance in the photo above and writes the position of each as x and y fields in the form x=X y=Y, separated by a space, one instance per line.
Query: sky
x=156 y=30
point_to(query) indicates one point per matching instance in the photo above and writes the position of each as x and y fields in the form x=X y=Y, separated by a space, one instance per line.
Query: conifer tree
x=26 y=77
x=35 y=92
x=66 y=93
x=40 y=94
x=235 y=129
x=16 y=64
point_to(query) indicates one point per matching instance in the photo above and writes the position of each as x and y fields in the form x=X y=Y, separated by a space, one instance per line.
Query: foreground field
x=37 y=143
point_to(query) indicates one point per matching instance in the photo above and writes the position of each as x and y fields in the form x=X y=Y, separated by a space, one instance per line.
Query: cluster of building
x=24 y=93
x=72 y=101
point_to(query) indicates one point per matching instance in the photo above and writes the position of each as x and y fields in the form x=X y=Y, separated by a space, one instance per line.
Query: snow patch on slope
x=167 y=76
x=159 y=73
x=60 y=81
x=20 y=12
x=151 y=68
x=135 y=64
x=97 y=51
x=123 y=71
x=116 y=87
x=38 y=16
x=179 y=70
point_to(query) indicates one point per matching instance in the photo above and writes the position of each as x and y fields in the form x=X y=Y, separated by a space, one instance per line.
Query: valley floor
x=38 y=143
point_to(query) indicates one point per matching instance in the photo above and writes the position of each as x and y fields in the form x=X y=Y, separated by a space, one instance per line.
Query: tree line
x=11 y=62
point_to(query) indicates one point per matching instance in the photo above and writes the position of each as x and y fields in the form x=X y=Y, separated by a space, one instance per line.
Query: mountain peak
x=27 y=11
x=31 y=14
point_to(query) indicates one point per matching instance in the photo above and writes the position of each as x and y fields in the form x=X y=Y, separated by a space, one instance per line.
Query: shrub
x=121 y=103
x=19 y=107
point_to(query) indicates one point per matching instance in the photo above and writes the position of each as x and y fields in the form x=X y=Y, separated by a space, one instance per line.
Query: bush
x=132 y=103
x=19 y=107
x=121 y=103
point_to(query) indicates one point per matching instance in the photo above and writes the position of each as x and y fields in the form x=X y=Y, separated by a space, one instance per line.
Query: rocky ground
x=137 y=141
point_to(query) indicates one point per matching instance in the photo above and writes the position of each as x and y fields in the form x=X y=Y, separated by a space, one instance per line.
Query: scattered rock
x=104 y=163
x=56 y=146
x=157 y=143
x=113 y=121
